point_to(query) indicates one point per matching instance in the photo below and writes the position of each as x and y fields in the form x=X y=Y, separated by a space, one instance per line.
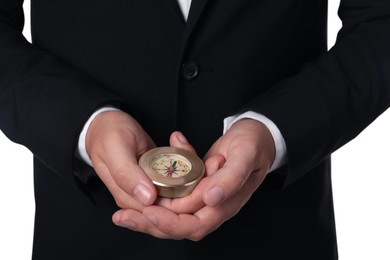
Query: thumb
x=178 y=140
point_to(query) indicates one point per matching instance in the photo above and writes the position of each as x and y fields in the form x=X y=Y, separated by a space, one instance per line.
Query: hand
x=236 y=165
x=114 y=143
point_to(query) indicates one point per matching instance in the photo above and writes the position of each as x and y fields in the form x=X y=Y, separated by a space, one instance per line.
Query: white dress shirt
x=280 y=145
x=185 y=7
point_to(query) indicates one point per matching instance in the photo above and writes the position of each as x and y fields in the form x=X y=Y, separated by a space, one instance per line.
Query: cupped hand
x=236 y=165
x=114 y=142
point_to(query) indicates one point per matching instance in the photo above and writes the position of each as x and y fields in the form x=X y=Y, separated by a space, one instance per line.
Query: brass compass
x=174 y=171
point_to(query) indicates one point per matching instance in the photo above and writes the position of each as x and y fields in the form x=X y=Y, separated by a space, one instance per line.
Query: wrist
x=81 y=152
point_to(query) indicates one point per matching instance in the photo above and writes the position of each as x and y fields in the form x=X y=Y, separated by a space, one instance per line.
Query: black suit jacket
x=231 y=56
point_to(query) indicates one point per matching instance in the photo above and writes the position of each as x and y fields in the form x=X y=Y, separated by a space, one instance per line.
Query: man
x=103 y=82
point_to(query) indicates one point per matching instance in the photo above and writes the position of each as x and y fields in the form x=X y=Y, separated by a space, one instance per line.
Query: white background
x=361 y=178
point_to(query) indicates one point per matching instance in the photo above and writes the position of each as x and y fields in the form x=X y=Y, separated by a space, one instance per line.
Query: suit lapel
x=197 y=7
x=175 y=8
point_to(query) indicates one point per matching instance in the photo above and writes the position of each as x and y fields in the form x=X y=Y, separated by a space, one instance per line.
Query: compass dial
x=175 y=172
x=171 y=165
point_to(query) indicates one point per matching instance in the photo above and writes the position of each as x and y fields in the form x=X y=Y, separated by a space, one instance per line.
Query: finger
x=177 y=226
x=132 y=179
x=177 y=139
x=214 y=163
x=136 y=221
x=228 y=179
x=188 y=204
x=122 y=199
x=129 y=176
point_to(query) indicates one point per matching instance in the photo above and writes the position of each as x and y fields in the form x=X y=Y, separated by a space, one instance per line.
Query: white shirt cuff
x=280 y=145
x=81 y=152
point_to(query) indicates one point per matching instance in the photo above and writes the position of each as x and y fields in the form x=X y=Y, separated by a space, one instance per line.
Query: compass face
x=171 y=165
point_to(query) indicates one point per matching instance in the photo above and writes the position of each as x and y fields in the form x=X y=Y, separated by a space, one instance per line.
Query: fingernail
x=214 y=196
x=152 y=219
x=182 y=138
x=142 y=194
x=116 y=218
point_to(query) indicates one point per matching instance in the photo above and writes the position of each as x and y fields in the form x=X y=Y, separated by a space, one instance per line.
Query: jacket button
x=190 y=70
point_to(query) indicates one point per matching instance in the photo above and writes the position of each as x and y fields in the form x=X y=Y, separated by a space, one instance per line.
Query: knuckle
x=238 y=177
x=120 y=174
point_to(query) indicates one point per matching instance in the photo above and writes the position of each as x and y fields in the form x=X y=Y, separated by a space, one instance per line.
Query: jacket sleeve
x=332 y=99
x=44 y=102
